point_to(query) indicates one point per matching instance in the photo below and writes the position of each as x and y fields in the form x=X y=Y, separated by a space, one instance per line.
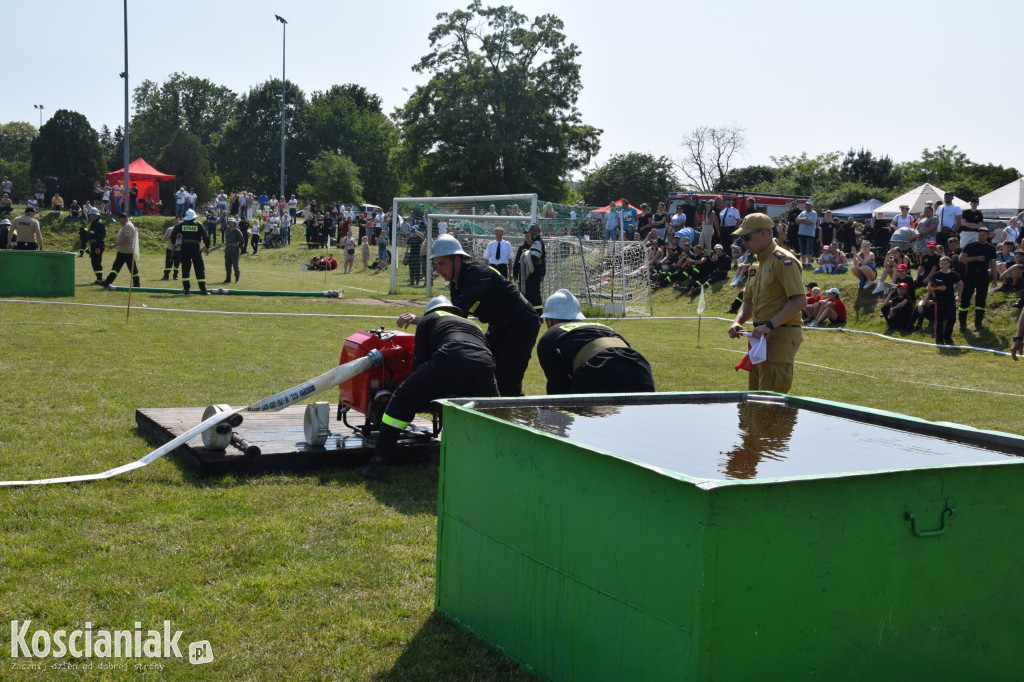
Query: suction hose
x=338 y=375
x=332 y=293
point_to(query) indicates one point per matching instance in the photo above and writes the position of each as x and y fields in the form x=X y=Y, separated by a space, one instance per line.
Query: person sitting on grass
x=1004 y=256
x=6 y=205
x=831 y=310
x=898 y=309
x=810 y=311
x=894 y=258
x=829 y=261
x=57 y=202
x=929 y=263
x=924 y=312
x=1011 y=275
x=864 y=265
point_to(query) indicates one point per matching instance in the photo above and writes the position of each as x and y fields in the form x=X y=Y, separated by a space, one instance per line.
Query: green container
x=37 y=273
x=731 y=536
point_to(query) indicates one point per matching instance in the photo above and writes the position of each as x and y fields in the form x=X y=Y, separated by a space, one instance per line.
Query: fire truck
x=771 y=204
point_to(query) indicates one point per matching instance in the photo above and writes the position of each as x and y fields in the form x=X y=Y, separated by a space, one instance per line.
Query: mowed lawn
x=317 y=575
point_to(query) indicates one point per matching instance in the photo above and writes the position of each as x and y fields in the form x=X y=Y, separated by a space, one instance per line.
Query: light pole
x=284 y=31
x=40 y=108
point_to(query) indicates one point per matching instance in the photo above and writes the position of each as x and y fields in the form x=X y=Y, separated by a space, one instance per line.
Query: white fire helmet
x=438 y=303
x=446 y=245
x=562 y=305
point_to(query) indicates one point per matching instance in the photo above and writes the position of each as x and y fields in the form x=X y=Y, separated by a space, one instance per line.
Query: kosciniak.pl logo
x=101 y=643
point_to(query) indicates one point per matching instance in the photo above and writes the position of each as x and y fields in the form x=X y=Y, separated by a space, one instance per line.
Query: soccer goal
x=608 y=277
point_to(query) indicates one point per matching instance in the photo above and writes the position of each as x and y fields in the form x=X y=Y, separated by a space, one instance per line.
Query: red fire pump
x=370 y=391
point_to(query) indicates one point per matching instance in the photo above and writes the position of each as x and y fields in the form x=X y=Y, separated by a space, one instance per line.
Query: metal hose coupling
x=376 y=357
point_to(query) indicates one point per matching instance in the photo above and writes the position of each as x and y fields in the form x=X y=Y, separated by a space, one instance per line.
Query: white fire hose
x=216 y=414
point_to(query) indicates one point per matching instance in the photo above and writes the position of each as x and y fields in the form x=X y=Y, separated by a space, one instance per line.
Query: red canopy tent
x=146 y=178
x=615 y=205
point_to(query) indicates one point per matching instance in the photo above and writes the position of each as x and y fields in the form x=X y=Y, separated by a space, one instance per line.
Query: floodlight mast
x=284 y=30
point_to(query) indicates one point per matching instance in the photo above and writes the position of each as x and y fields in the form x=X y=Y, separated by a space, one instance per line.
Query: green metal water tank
x=37 y=273
x=731 y=536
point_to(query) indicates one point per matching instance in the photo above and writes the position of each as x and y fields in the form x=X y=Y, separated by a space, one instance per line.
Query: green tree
x=68 y=148
x=186 y=158
x=850 y=193
x=248 y=155
x=332 y=177
x=16 y=155
x=498 y=114
x=348 y=120
x=113 y=146
x=183 y=102
x=804 y=175
x=744 y=178
x=635 y=176
x=864 y=167
x=951 y=170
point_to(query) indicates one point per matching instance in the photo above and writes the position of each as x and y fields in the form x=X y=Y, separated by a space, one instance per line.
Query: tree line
x=832 y=179
x=497 y=114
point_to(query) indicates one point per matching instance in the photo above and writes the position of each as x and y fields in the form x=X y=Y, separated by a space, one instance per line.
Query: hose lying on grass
x=279 y=401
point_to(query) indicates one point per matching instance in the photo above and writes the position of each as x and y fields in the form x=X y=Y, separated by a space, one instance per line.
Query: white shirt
x=730 y=217
x=192 y=198
x=947 y=215
x=900 y=221
x=497 y=252
x=1010 y=233
x=293 y=203
x=180 y=196
x=442 y=227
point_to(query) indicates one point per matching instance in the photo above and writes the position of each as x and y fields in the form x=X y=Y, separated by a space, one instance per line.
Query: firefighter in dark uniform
x=534 y=265
x=512 y=323
x=450 y=360
x=979 y=261
x=97 y=242
x=193 y=237
x=233 y=241
x=83 y=238
x=774 y=296
x=587 y=357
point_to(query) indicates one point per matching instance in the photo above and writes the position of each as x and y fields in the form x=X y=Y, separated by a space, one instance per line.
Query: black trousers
x=531 y=291
x=191 y=258
x=120 y=260
x=945 y=315
x=97 y=262
x=255 y=244
x=25 y=246
x=502 y=268
x=171 y=260
x=511 y=349
x=976 y=285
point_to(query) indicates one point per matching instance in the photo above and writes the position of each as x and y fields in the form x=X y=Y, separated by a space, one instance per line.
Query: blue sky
x=894 y=77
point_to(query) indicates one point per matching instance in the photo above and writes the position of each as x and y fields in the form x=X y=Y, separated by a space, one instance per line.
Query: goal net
x=608 y=277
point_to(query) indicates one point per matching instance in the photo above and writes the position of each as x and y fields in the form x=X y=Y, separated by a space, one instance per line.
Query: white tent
x=1004 y=202
x=916 y=199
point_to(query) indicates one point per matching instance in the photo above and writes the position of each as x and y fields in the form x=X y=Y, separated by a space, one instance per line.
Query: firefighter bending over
x=450 y=360
x=578 y=356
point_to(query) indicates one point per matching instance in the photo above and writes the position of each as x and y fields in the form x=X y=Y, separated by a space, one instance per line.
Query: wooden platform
x=280 y=437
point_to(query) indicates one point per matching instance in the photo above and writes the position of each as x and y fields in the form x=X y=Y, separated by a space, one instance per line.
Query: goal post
x=609 y=277
x=411 y=210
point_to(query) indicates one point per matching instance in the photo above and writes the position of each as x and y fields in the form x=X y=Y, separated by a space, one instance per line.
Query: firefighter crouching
x=193 y=238
x=450 y=360
x=512 y=322
x=578 y=356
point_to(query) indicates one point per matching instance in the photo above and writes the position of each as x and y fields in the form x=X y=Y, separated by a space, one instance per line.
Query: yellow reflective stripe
x=569 y=326
x=388 y=420
x=495 y=270
x=473 y=307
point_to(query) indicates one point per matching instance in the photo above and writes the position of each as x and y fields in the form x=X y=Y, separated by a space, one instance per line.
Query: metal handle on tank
x=946 y=513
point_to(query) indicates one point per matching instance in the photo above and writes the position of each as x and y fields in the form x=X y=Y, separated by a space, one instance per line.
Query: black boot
x=136 y=283
x=962 y=315
x=979 y=315
x=165 y=277
x=175 y=274
x=375 y=470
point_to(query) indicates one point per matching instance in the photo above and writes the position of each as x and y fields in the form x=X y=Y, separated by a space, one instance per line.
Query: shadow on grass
x=440 y=650
x=410 y=489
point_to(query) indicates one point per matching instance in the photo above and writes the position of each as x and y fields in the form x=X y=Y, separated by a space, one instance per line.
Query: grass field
x=320 y=575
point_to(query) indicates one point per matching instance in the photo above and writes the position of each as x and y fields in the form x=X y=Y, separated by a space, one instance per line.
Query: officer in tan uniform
x=24 y=233
x=774 y=296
